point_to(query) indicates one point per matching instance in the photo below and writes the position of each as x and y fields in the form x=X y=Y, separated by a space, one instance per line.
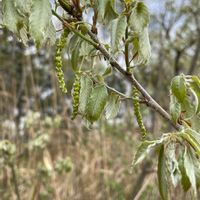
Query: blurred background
x=57 y=158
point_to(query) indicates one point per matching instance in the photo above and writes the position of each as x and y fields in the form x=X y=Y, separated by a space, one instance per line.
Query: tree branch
x=150 y=101
x=129 y=77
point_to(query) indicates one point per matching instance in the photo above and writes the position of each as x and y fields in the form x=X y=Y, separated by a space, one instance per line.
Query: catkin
x=58 y=61
x=137 y=113
x=75 y=94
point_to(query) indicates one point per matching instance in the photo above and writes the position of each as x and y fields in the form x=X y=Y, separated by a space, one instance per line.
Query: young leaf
x=195 y=86
x=175 y=108
x=86 y=89
x=142 y=48
x=144 y=53
x=118 y=28
x=178 y=88
x=191 y=140
x=85 y=49
x=144 y=149
x=96 y=103
x=106 y=10
x=23 y=7
x=39 y=20
x=162 y=181
x=139 y=17
x=190 y=168
x=184 y=178
x=107 y=72
x=113 y=106
x=172 y=163
x=11 y=17
x=75 y=56
x=194 y=134
x=50 y=34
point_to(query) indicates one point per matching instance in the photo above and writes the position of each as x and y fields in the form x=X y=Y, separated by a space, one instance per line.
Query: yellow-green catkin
x=137 y=113
x=75 y=94
x=58 y=61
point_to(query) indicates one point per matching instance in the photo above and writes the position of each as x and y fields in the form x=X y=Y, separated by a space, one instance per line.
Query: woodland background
x=58 y=158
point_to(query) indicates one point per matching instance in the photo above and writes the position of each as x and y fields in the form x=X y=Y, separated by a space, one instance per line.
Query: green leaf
x=175 y=108
x=75 y=56
x=85 y=49
x=194 y=134
x=11 y=17
x=86 y=89
x=23 y=32
x=106 y=10
x=195 y=86
x=195 y=122
x=118 y=29
x=40 y=18
x=72 y=43
x=96 y=103
x=50 y=34
x=112 y=107
x=184 y=178
x=142 y=47
x=172 y=163
x=23 y=7
x=139 y=18
x=144 y=149
x=178 y=88
x=162 y=181
x=190 y=168
x=108 y=71
x=191 y=140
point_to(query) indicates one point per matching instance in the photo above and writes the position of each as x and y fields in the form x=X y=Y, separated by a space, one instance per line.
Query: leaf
x=73 y=41
x=40 y=18
x=195 y=122
x=139 y=18
x=175 y=108
x=142 y=47
x=85 y=91
x=96 y=103
x=108 y=71
x=50 y=34
x=162 y=181
x=184 y=179
x=144 y=149
x=23 y=7
x=23 y=33
x=195 y=86
x=75 y=56
x=85 y=49
x=191 y=140
x=112 y=107
x=178 y=88
x=194 y=134
x=190 y=168
x=106 y=10
x=172 y=163
x=11 y=18
x=118 y=29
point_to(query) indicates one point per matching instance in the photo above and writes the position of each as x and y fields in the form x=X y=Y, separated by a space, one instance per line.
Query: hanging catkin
x=137 y=113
